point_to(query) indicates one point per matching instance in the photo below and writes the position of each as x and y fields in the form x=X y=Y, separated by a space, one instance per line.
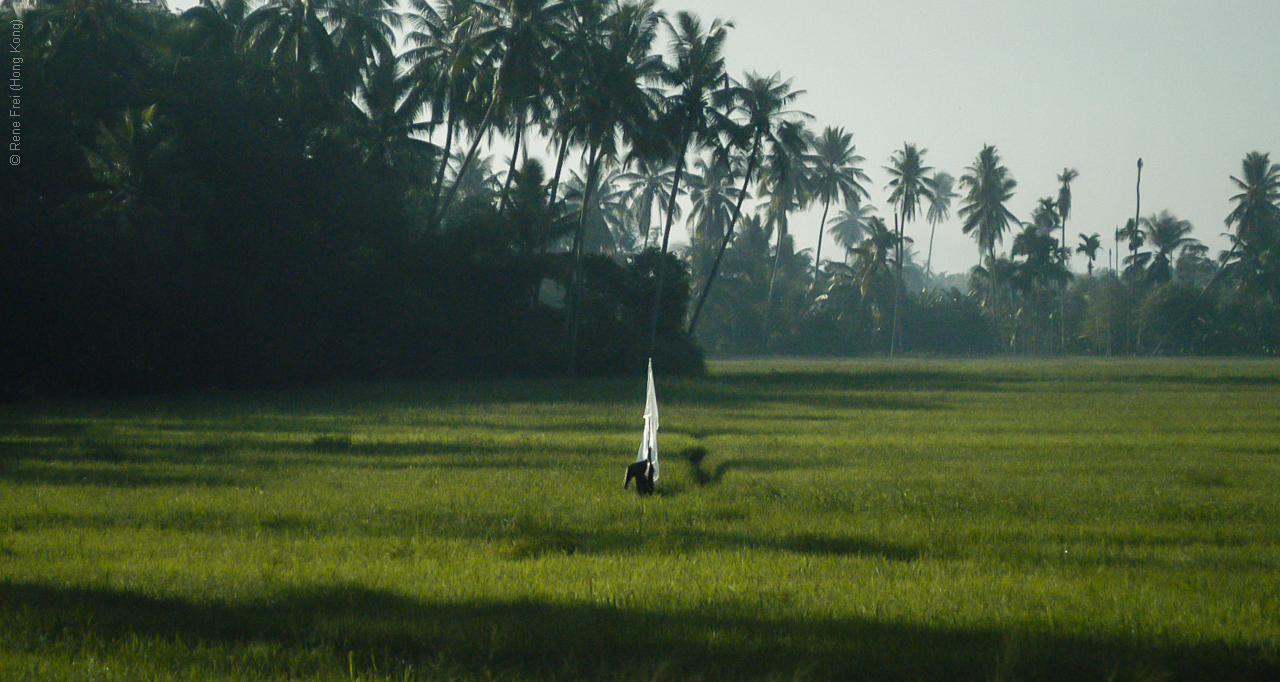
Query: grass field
x=913 y=520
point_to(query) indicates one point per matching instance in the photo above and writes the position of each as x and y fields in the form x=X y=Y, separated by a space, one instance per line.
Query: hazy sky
x=1190 y=87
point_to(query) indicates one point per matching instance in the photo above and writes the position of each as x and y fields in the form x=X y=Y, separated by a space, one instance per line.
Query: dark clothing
x=642 y=472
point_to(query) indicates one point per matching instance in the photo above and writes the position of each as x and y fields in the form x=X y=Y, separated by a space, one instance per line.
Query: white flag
x=649 y=441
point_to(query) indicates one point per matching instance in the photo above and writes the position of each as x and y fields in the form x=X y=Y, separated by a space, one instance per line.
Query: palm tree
x=941 y=194
x=606 y=229
x=610 y=102
x=875 y=267
x=444 y=60
x=1045 y=215
x=989 y=187
x=1256 y=215
x=852 y=225
x=693 y=113
x=127 y=163
x=1067 y=176
x=1089 y=246
x=1168 y=235
x=213 y=25
x=292 y=34
x=764 y=102
x=1132 y=231
x=1256 y=219
x=387 y=128
x=785 y=179
x=648 y=183
x=536 y=221
x=518 y=39
x=712 y=196
x=908 y=181
x=364 y=31
x=835 y=175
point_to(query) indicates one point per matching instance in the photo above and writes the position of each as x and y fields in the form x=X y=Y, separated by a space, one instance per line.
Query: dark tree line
x=254 y=194
x=238 y=197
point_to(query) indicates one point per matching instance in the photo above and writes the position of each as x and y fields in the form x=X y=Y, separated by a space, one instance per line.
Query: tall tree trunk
x=1062 y=288
x=555 y=178
x=468 y=159
x=894 y=341
x=666 y=236
x=817 y=259
x=450 y=126
x=728 y=235
x=575 y=287
x=928 y=261
x=1133 y=284
x=511 y=168
x=773 y=275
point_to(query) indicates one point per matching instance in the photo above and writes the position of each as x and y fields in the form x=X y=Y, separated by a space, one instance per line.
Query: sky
x=1188 y=86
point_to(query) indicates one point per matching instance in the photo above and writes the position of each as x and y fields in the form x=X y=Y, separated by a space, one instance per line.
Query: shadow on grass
x=382 y=635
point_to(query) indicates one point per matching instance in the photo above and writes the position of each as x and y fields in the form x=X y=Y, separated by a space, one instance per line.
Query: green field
x=914 y=520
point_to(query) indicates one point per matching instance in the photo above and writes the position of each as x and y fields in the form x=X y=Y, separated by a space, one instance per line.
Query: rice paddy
x=877 y=520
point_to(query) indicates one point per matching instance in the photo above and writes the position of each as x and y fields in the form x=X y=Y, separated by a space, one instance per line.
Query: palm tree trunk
x=666 y=236
x=469 y=158
x=1062 y=290
x=511 y=168
x=555 y=179
x=897 y=289
x=995 y=298
x=728 y=235
x=817 y=259
x=928 y=261
x=773 y=274
x=451 y=126
x=575 y=294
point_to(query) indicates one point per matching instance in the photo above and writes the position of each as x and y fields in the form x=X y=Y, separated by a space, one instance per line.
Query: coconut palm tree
x=387 y=126
x=784 y=178
x=1256 y=219
x=610 y=103
x=989 y=187
x=1169 y=236
x=1132 y=232
x=444 y=59
x=606 y=229
x=941 y=194
x=364 y=31
x=517 y=40
x=763 y=101
x=712 y=196
x=907 y=174
x=292 y=35
x=1256 y=215
x=851 y=226
x=908 y=180
x=694 y=113
x=875 y=266
x=213 y=26
x=1066 y=177
x=835 y=175
x=648 y=184
x=1089 y=246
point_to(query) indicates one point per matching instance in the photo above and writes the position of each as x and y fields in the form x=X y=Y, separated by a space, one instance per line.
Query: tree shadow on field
x=344 y=630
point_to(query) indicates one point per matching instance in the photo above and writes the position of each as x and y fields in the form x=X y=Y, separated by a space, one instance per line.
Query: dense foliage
x=195 y=210
x=267 y=193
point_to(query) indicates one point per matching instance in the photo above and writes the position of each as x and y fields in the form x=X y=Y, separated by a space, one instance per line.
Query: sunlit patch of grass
x=888 y=520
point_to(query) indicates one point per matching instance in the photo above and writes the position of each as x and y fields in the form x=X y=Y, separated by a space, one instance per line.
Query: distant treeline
x=265 y=194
